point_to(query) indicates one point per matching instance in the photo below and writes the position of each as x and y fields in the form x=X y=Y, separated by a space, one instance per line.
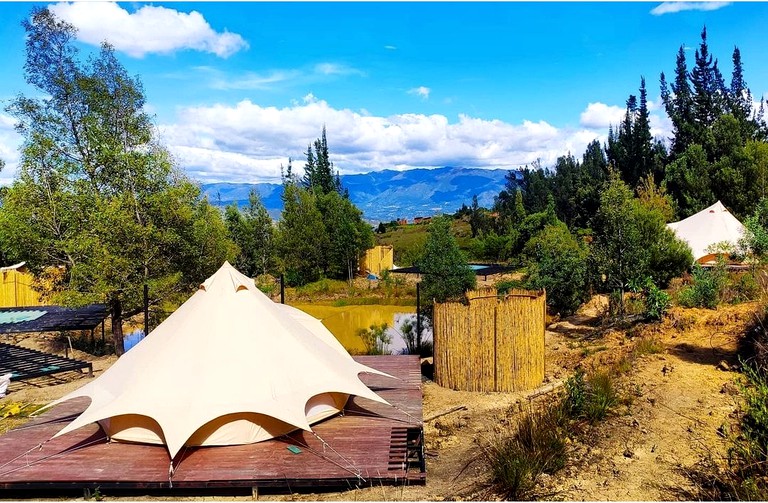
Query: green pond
x=344 y=322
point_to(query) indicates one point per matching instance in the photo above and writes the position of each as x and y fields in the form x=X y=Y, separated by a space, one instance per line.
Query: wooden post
x=146 y=309
x=282 y=288
x=418 y=318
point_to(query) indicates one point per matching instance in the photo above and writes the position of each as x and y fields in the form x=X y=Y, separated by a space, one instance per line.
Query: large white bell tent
x=707 y=228
x=228 y=367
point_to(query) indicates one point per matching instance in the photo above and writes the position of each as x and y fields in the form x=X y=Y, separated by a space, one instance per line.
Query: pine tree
x=678 y=103
x=642 y=152
x=708 y=90
x=318 y=171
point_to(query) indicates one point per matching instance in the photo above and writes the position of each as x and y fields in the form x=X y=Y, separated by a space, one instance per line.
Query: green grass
x=374 y=301
x=537 y=446
x=648 y=346
x=408 y=240
x=323 y=287
x=538 y=443
x=590 y=397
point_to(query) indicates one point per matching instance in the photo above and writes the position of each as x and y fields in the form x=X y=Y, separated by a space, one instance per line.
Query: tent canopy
x=706 y=228
x=228 y=367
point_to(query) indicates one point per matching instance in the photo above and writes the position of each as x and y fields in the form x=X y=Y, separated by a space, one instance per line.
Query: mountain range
x=387 y=195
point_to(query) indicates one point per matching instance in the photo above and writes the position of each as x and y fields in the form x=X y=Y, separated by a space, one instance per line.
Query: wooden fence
x=495 y=343
x=16 y=288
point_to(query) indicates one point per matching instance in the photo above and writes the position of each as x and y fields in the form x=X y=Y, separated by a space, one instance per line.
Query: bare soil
x=676 y=406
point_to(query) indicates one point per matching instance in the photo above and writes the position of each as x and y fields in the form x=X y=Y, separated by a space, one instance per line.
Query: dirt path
x=681 y=399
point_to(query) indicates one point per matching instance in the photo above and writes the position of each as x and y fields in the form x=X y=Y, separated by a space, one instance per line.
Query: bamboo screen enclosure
x=495 y=343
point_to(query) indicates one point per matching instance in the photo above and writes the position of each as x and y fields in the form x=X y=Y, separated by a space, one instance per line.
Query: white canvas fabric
x=228 y=367
x=708 y=227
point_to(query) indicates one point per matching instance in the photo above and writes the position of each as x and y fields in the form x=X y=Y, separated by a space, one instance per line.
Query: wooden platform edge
x=407 y=462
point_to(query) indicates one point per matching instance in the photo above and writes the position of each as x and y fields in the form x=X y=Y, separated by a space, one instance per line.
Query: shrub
x=505 y=286
x=537 y=446
x=656 y=301
x=575 y=393
x=705 y=289
x=601 y=396
x=267 y=284
x=559 y=264
x=589 y=397
x=741 y=287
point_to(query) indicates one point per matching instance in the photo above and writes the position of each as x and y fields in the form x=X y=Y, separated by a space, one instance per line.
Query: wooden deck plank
x=366 y=445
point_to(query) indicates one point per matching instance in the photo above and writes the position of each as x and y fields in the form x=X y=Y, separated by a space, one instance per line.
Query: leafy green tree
x=321 y=232
x=564 y=185
x=757 y=154
x=302 y=238
x=689 y=181
x=756 y=235
x=95 y=194
x=536 y=222
x=348 y=234
x=478 y=220
x=632 y=241
x=537 y=187
x=445 y=272
x=559 y=263
x=253 y=232
x=593 y=173
x=509 y=207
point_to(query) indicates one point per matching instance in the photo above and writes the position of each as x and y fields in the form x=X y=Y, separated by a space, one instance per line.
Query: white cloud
x=149 y=29
x=251 y=80
x=600 y=116
x=673 y=7
x=336 y=69
x=390 y=47
x=421 y=91
x=10 y=141
x=247 y=142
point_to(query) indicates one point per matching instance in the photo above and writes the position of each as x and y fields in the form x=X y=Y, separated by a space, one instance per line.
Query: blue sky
x=237 y=88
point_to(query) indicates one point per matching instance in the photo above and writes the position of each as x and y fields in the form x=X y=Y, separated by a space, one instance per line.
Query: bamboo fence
x=493 y=343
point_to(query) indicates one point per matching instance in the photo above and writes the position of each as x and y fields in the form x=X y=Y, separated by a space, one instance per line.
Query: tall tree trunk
x=117 y=324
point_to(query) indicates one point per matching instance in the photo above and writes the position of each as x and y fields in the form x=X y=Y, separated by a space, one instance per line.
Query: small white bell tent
x=706 y=228
x=228 y=367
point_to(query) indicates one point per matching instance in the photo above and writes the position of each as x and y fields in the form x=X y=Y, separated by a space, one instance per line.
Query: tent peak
x=228 y=277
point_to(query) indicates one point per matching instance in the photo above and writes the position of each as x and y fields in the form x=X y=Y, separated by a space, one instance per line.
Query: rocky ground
x=677 y=405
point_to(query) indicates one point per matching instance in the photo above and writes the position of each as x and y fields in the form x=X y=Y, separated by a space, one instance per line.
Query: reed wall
x=492 y=343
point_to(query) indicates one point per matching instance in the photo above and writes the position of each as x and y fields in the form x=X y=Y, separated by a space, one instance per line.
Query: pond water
x=132 y=339
x=344 y=323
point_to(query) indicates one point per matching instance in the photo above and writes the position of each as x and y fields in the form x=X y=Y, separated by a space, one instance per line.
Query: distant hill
x=388 y=195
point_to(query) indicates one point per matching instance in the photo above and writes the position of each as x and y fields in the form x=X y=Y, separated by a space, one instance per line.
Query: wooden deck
x=370 y=444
